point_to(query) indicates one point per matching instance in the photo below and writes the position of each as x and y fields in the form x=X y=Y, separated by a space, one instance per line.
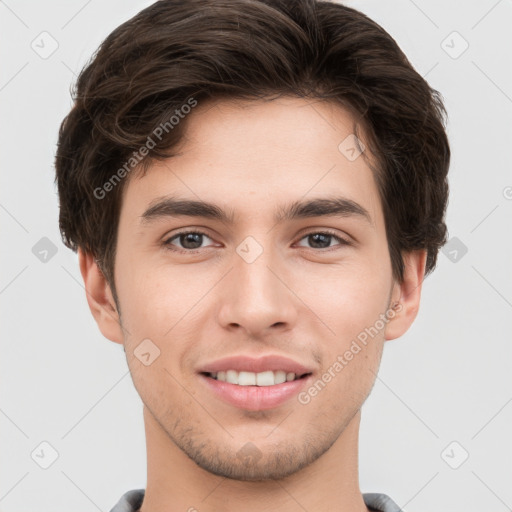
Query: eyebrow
x=320 y=207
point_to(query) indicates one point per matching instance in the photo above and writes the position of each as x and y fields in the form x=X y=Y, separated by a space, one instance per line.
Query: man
x=256 y=191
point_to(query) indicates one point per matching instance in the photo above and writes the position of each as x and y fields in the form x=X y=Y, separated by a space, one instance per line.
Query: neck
x=177 y=483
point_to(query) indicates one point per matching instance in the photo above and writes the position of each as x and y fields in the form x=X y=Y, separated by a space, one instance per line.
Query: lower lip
x=255 y=398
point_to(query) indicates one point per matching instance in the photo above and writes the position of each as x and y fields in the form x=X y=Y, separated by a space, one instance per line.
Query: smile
x=250 y=395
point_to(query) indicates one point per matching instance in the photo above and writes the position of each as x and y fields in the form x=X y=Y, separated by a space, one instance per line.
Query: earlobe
x=100 y=299
x=407 y=294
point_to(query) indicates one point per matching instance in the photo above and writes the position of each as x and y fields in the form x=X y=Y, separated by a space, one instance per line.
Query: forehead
x=254 y=155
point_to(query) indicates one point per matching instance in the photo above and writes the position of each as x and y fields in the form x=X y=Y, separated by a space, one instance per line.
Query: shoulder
x=380 y=502
x=130 y=501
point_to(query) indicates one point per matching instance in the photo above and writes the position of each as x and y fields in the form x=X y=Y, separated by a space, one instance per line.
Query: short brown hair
x=175 y=50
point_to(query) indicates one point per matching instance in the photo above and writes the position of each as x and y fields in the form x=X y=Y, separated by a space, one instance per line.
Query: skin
x=297 y=299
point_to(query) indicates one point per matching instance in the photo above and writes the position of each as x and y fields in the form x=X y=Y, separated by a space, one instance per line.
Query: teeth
x=280 y=377
x=232 y=376
x=245 y=379
x=268 y=378
x=265 y=379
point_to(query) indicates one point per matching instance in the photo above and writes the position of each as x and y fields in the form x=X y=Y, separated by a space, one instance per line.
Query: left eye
x=191 y=240
x=319 y=238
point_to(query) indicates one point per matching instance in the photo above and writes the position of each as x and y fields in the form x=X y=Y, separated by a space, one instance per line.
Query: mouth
x=255 y=382
x=255 y=391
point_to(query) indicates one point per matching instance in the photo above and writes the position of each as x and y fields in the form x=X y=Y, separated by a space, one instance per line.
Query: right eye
x=186 y=238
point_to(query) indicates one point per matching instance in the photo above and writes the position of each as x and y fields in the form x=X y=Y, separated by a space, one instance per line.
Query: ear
x=100 y=299
x=407 y=294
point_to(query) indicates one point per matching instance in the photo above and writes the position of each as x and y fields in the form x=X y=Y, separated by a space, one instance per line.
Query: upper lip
x=256 y=364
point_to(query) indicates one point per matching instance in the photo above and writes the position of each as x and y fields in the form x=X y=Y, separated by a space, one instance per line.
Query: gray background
x=444 y=390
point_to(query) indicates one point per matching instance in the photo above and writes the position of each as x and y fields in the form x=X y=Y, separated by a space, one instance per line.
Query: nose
x=258 y=297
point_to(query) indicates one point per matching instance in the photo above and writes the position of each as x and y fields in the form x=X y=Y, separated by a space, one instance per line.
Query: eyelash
x=168 y=246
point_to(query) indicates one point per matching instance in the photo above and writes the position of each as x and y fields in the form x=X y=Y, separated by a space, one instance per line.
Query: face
x=250 y=287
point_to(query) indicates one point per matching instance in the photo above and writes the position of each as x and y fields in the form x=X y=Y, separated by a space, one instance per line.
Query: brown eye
x=190 y=241
x=323 y=239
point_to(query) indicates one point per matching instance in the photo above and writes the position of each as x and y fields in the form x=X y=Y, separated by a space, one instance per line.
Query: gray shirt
x=131 y=501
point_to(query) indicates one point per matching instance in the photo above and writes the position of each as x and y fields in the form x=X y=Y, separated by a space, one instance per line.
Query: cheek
x=350 y=302
x=165 y=306
x=154 y=299
x=345 y=299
